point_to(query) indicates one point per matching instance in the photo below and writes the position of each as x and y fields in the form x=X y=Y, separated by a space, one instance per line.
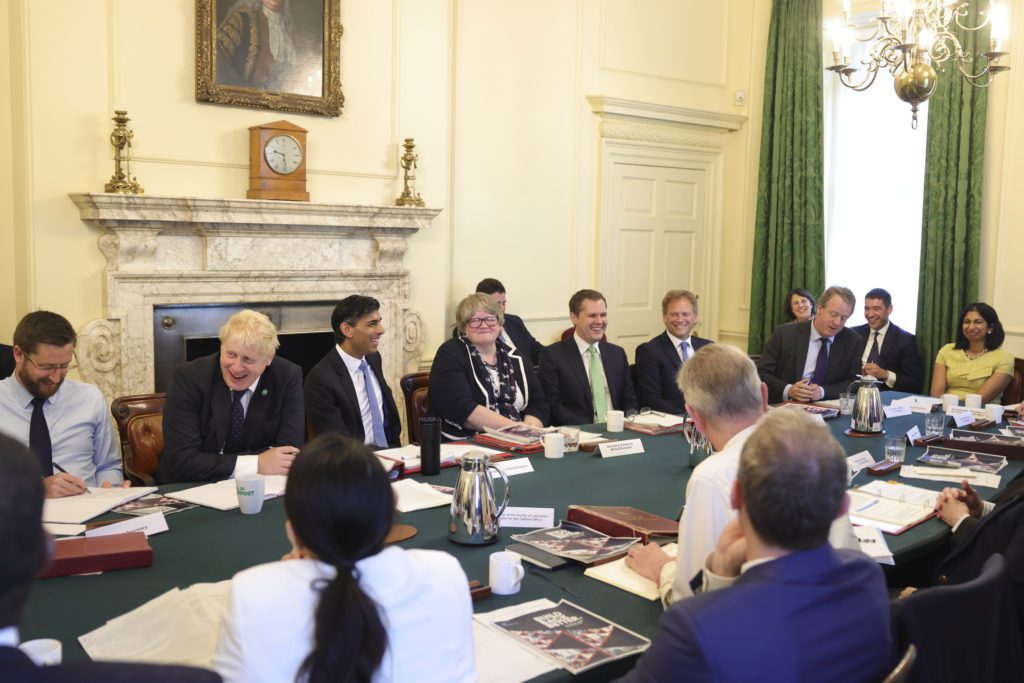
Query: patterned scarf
x=501 y=399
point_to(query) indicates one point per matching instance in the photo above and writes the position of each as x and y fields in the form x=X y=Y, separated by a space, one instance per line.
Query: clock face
x=283 y=154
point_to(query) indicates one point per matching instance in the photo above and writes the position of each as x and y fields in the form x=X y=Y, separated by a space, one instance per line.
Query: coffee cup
x=949 y=401
x=43 y=652
x=994 y=412
x=973 y=401
x=251 y=489
x=554 y=445
x=506 y=572
x=616 y=420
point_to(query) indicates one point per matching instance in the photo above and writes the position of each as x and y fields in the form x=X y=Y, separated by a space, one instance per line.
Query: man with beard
x=64 y=422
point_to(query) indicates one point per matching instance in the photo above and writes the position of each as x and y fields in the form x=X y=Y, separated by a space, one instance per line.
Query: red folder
x=99 y=554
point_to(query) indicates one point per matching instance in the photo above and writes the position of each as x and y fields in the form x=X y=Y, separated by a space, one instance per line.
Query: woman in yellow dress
x=976 y=363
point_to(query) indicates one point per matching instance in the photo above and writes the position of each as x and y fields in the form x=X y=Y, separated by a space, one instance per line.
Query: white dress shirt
x=890 y=380
x=79 y=423
x=813 y=347
x=584 y=348
x=676 y=341
x=423 y=601
x=353 y=365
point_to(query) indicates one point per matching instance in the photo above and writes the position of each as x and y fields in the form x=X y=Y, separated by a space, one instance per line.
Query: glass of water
x=845 y=404
x=572 y=438
x=934 y=424
x=895 y=448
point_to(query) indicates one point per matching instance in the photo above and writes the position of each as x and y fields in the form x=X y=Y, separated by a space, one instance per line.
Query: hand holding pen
x=63 y=484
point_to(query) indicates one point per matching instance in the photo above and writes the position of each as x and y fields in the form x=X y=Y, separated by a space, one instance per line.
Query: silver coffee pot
x=474 y=512
x=867 y=415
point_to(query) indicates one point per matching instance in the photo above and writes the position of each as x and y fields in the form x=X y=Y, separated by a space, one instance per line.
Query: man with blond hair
x=725 y=398
x=235 y=412
x=658 y=360
x=817 y=359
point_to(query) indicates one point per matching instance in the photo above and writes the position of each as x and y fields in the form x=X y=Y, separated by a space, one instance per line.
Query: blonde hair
x=473 y=303
x=253 y=331
x=720 y=381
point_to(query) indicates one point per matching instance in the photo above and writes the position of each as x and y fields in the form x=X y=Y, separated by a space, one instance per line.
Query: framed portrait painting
x=273 y=54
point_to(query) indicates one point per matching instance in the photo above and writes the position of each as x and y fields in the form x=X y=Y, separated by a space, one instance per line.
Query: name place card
x=527 y=518
x=614 y=449
x=913 y=434
x=514 y=467
x=150 y=524
x=896 y=411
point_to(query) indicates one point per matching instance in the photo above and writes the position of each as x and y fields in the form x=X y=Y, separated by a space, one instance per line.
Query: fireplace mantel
x=192 y=250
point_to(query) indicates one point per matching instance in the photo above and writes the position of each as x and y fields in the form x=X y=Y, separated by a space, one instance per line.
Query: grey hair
x=473 y=303
x=720 y=381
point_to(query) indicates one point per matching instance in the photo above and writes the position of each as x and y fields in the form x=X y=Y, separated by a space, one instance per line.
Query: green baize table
x=206 y=545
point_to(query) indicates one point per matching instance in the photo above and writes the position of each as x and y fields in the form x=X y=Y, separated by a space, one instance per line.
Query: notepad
x=83 y=507
x=892 y=507
x=619 y=575
x=222 y=495
x=413 y=495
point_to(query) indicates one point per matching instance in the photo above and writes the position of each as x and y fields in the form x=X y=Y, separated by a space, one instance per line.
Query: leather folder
x=622 y=521
x=99 y=554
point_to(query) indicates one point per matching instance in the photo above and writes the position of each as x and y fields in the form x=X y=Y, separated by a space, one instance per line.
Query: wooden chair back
x=415 y=389
x=1014 y=393
x=141 y=429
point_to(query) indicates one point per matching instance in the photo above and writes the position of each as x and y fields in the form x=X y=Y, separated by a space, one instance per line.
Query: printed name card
x=859 y=461
x=963 y=418
x=896 y=411
x=527 y=518
x=913 y=434
x=514 y=467
x=150 y=524
x=613 y=449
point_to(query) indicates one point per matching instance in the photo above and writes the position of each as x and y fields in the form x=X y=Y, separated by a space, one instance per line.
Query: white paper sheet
x=619 y=575
x=500 y=659
x=83 y=507
x=873 y=544
x=148 y=524
x=950 y=475
x=413 y=495
x=64 y=529
x=222 y=495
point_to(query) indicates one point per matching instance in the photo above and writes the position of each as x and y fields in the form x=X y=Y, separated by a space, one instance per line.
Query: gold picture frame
x=271 y=54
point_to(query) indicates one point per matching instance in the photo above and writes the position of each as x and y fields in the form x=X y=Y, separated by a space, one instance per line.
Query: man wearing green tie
x=585 y=377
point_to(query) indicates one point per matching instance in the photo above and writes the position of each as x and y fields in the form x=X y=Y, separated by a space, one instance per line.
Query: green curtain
x=789 y=226
x=951 y=217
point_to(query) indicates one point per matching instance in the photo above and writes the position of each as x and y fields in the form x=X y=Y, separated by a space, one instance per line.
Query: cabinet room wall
x=494 y=93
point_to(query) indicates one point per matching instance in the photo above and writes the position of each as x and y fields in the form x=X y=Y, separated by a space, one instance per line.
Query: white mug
x=251 y=490
x=506 y=572
x=44 y=651
x=949 y=401
x=554 y=445
x=994 y=411
x=616 y=420
x=973 y=401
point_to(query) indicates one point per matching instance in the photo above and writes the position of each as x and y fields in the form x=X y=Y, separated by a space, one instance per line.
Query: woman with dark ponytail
x=341 y=608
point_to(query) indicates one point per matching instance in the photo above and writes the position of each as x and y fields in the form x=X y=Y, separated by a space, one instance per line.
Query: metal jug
x=474 y=513
x=867 y=414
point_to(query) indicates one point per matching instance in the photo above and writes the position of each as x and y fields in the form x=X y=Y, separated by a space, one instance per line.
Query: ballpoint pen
x=61 y=469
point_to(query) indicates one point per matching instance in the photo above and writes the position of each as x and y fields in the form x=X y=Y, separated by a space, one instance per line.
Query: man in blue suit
x=789 y=608
x=658 y=360
x=889 y=352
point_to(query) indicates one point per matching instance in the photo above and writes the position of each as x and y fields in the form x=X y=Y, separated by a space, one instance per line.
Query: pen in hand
x=61 y=469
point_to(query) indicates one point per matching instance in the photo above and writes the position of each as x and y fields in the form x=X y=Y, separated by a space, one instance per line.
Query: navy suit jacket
x=332 y=403
x=816 y=615
x=16 y=667
x=657 y=364
x=455 y=391
x=197 y=418
x=568 y=389
x=783 y=357
x=898 y=354
x=6 y=361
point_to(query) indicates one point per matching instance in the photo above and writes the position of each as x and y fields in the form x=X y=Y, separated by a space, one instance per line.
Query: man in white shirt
x=890 y=352
x=66 y=423
x=346 y=391
x=725 y=398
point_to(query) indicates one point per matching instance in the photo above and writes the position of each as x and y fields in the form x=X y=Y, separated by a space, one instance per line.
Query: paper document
x=413 y=495
x=83 y=507
x=657 y=419
x=450 y=453
x=188 y=620
x=891 y=507
x=64 y=529
x=872 y=543
x=951 y=476
x=501 y=658
x=591 y=437
x=619 y=575
x=222 y=495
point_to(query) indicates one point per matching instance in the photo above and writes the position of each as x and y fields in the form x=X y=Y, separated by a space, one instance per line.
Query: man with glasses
x=813 y=360
x=64 y=422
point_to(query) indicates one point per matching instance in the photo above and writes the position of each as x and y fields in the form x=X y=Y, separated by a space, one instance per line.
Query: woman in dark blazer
x=478 y=381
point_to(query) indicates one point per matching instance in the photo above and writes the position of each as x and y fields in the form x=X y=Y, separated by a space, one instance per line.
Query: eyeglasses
x=48 y=368
x=488 y=320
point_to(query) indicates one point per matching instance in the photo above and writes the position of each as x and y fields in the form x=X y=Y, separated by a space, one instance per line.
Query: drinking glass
x=934 y=424
x=845 y=404
x=895 y=448
x=572 y=438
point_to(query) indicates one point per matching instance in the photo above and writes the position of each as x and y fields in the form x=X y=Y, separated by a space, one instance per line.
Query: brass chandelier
x=913 y=39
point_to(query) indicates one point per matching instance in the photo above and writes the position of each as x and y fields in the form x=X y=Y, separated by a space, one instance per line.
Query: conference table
x=206 y=545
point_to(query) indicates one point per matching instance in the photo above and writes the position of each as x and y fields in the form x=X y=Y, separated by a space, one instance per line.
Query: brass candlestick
x=122 y=182
x=410 y=197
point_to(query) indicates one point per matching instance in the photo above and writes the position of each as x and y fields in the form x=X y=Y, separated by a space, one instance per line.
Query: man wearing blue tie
x=346 y=391
x=658 y=360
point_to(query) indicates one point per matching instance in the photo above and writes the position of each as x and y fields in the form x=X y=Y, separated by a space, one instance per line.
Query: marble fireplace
x=168 y=252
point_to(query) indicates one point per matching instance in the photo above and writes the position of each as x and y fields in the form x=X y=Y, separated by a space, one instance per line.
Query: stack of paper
x=179 y=627
x=85 y=506
x=413 y=495
x=872 y=543
x=222 y=495
x=619 y=575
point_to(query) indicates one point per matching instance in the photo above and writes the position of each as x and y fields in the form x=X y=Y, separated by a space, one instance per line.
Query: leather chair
x=1014 y=393
x=417 y=401
x=140 y=424
x=904 y=667
x=962 y=632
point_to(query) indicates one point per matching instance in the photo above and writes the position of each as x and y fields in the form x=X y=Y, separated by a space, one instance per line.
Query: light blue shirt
x=80 y=431
x=813 y=347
